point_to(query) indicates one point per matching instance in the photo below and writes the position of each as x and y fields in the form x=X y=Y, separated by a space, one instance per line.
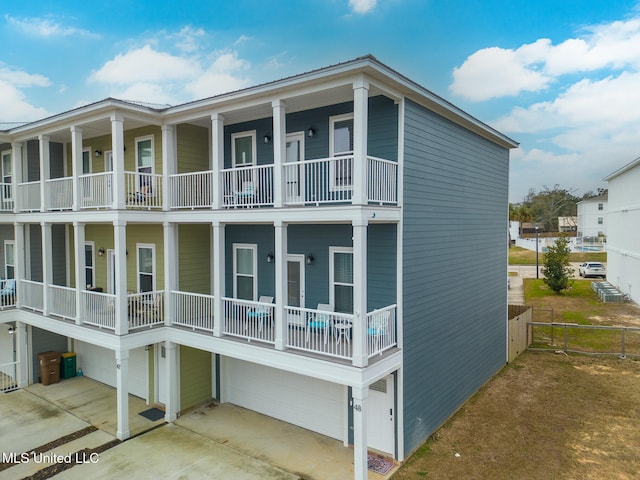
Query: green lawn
x=522 y=256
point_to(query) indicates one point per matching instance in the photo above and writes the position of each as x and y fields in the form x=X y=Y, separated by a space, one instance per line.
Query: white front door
x=295 y=287
x=295 y=175
x=381 y=417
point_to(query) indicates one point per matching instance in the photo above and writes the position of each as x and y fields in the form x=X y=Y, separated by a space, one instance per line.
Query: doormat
x=379 y=464
x=152 y=414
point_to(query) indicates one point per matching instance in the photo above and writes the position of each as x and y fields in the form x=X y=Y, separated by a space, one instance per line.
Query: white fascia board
x=622 y=170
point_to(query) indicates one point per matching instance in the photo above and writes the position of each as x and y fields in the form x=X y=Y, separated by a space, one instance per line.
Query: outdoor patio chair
x=321 y=321
x=8 y=292
x=246 y=195
x=260 y=313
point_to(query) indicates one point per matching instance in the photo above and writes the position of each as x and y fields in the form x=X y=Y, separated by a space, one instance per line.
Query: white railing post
x=360 y=355
x=22 y=354
x=168 y=162
x=218 y=274
x=217 y=158
x=76 y=165
x=47 y=265
x=360 y=112
x=45 y=172
x=16 y=170
x=170 y=270
x=120 y=247
x=279 y=151
x=19 y=258
x=78 y=235
x=117 y=146
x=281 y=284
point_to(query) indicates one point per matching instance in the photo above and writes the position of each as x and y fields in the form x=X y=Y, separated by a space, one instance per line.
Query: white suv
x=592 y=269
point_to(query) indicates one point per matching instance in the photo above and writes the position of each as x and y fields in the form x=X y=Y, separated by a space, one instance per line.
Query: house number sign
x=357 y=407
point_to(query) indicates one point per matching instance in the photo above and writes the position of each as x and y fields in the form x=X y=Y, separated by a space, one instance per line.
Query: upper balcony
x=340 y=147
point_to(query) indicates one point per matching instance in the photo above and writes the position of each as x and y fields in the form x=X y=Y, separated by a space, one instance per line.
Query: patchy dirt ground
x=544 y=416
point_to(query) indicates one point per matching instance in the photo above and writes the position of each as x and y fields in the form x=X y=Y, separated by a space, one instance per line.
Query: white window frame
x=13 y=265
x=254 y=148
x=8 y=188
x=600 y=220
x=245 y=246
x=152 y=184
x=152 y=247
x=333 y=154
x=332 y=282
x=600 y=206
x=92 y=267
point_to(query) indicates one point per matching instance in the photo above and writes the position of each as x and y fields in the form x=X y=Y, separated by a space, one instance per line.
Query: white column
x=19 y=259
x=78 y=235
x=172 y=382
x=76 y=165
x=279 y=151
x=218 y=274
x=16 y=171
x=45 y=172
x=122 y=393
x=360 y=112
x=120 y=247
x=360 y=412
x=47 y=266
x=117 y=146
x=217 y=158
x=22 y=354
x=360 y=354
x=169 y=166
x=281 y=284
x=170 y=270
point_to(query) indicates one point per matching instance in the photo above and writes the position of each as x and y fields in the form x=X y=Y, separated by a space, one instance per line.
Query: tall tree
x=549 y=204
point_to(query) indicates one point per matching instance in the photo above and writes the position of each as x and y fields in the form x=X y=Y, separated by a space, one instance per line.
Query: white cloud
x=23 y=79
x=144 y=65
x=15 y=107
x=497 y=72
x=188 y=39
x=46 y=27
x=362 y=6
x=147 y=74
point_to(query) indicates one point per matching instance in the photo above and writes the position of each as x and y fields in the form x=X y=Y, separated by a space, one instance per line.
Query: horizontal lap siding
x=454 y=264
x=195 y=377
x=193 y=148
x=194 y=258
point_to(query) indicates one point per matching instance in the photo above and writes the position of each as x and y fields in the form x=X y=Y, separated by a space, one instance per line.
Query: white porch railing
x=59 y=193
x=144 y=190
x=326 y=180
x=96 y=190
x=62 y=301
x=31 y=294
x=8 y=376
x=29 y=196
x=191 y=190
x=145 y=309
x=7 y=293
x=382 y=181
x=248 y=319
x=193 y=310
x=381 y=330
x=99 y=309
x=6 y=197
x=328 y=333
x=247 y=186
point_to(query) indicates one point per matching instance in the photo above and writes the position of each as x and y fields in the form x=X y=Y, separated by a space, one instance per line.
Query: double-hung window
x=341 y=279
x=144 y=164
x=9 y=260
x=146 y=267
x=341 y=151
x=245 y=266
x=6 y=179
x=89 y=264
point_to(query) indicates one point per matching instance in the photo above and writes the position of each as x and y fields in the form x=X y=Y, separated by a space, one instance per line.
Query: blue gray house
x=306 y=248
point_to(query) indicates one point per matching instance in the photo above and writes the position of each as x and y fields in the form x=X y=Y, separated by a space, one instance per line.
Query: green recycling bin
x=68 y=365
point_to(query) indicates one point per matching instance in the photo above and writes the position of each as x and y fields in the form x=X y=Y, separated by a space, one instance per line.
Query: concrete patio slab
x=28 y=421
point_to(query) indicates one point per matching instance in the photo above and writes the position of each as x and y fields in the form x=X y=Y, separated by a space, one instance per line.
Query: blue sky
x=562 y=78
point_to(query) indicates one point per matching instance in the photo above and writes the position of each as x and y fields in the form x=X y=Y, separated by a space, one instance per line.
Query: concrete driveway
x=212 y=441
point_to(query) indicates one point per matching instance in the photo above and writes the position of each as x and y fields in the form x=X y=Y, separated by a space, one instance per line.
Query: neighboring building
x=592 y=218
x=623 y=215
x=306 y=248
x=567 y=224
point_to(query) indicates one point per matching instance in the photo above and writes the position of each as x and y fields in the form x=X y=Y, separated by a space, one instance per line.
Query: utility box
x=68 y=367
x=49 y=367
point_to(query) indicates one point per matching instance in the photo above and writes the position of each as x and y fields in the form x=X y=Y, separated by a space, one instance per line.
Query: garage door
x=309 y=403
x=100 y=364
